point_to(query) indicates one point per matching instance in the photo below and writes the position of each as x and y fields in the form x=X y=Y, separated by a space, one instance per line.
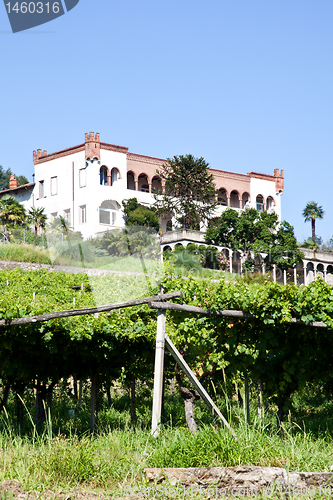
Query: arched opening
x=329 y=275
x=234 y=199
x=114 y=175
x=156 y=184
x=108 y=212
x=143 y=183
x=245 y=199
x=169 y=225
x=130 y=181
x=167 y=248
x=103 y=176
x=309 y=272
x=269 y=203
x=222 y=197
x=260 y=203
x=320 y=270
x=236 y=262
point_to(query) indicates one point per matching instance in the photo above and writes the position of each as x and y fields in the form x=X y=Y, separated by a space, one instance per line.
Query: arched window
x=114 y=175
x=156 y=184
x=222 y=197
x=130 y=181
x=269 y=203
x=259 y=203
x=234 y=199
x=103 y=176
x=245 y=199
x=143 y=183
x=108 y=212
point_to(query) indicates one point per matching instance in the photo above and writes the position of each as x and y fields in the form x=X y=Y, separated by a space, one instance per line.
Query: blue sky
x=247 y=84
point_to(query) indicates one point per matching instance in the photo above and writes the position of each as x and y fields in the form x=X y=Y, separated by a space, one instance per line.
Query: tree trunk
x=132 y=404
x=19 y=409
x=240 y=399
x=189 y=406
x=189 y=396
x=40 y=411
x=108 y=393
x=313 y=227
x=75 y=388
x=80 y=393
x=5 y=395
x=43 y=399
x=281 y=401
x=93 y=400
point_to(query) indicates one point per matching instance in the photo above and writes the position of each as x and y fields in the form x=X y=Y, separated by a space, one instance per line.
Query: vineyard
x=73 y=375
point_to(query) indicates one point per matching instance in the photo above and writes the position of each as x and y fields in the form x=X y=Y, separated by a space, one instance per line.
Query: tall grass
x=66 y=456
x=23 y=253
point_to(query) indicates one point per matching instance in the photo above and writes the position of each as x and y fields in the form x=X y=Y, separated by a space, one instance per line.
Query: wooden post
x=247 y=401
x=259 y=399
x=158 y=376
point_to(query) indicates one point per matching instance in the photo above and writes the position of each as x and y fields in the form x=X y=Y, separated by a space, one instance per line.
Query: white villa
x=87 y=183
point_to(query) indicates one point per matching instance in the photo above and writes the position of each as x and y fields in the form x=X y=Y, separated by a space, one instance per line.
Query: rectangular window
x=41 y=189
x=82 y=177
x=83 y=214
x=67 y=215
x=104 y=216
x=54 y=186
x=260 y=207
x=53 y=216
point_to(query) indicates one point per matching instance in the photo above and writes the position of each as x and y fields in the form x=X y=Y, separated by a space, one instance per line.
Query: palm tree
x=313 y=211
x=37 y=217
x=12 y=213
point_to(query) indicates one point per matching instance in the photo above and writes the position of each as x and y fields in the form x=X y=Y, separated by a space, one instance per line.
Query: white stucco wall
x=265 y=188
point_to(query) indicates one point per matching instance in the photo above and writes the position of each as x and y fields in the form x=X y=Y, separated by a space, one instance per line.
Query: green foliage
x=12 y=213
x=129 y=241
x=196 y=257
x=139 y=215
x=283 y=355
x=254 y=233
x=5 y=176
x=189 y=191
x=270 y=348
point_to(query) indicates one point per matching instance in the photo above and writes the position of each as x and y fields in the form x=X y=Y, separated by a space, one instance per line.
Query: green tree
x=189 y=191
x=5 y=176
x=254 y=233
x=139 y=215
x=311 y=212
x=37 y=217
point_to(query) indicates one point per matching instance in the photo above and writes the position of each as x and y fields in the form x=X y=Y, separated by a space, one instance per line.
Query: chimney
x=279 y=180
x=93 y=146
x=12 y=182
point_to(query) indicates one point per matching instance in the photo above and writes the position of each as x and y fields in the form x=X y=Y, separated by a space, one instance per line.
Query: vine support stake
x=158 y=375
x=247 y=401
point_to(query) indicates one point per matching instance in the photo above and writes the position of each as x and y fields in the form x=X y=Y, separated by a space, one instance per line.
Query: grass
x=24 y=253
x=113 y=459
